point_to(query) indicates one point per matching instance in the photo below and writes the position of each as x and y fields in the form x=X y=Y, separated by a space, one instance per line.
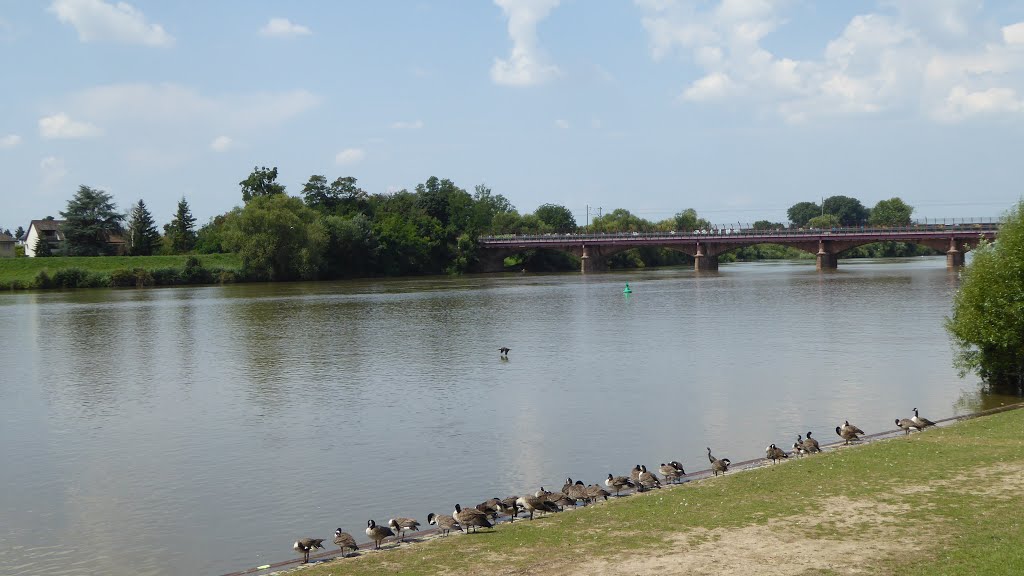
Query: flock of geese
x=485 y=514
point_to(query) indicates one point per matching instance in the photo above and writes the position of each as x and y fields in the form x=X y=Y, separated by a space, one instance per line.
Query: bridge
x=954 y=238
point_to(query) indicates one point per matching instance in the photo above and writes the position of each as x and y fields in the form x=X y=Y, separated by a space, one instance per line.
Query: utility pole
x=588 y=219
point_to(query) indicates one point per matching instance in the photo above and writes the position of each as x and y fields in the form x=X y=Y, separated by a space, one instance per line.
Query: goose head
x=431 y=518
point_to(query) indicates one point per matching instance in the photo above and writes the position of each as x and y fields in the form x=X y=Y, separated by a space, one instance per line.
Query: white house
x=47 y=229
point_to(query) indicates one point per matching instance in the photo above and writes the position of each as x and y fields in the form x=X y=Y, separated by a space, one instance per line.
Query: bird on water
x=504 y=351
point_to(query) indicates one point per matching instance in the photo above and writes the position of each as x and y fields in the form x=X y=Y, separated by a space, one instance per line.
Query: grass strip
x=947 y=501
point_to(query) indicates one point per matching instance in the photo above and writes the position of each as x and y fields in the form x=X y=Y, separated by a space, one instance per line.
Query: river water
x=202 y=430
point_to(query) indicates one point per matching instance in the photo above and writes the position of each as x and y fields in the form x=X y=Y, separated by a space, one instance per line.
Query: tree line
x=335 y=229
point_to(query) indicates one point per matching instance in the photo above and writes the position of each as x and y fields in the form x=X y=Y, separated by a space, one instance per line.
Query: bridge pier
x=591 y=259
x=702 y=261
x=954 y=257
x=825 y=260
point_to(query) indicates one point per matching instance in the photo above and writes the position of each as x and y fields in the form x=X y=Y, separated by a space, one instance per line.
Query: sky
x=736 y=108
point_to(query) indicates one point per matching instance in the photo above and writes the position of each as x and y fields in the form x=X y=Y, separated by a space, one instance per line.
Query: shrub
x=194 y=273
x=42 y=280
x=137 y=277
x=70 y=278
x=166 y=276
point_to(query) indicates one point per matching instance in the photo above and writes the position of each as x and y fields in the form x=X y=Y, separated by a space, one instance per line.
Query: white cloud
x=173 y=107
x=961 y=103
x=61 y=126
x=710 y=87
x=9 y=141
x=563 y=124
x=526 y=65
x=221 y=143
x=1014 y=34
x=284 y=28
x=52 y=171
x=349 y=156
x=402 y=125
x=909 y=55
x=98 y=21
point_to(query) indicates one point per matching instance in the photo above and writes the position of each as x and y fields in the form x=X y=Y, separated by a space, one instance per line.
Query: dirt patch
x=844 y=536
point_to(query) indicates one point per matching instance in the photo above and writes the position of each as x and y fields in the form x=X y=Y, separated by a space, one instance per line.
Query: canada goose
x=504 y=351
x=774 y=453
x=847 y=434
x=344 y=540
x=906 y=424
x=444 y=523
x=488 y=507
x=575 y=491
x=471 y=518
x=401 y=525
x=634 y=474
x=852 y=428
x=811 y=443
x=505 y=508
x=532 y=503
x=509 y=506
x=377 y=533
x=718 y=465
x=808 y=447
x=798 y=448
x=670 y=472
x=304 y=545
x=595 y=491
x=618 y=483
x=648 y=479
x=922 y=423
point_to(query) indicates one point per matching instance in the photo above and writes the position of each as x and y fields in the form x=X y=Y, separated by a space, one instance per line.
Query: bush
x=137 y=277
x=42 y=280
x=69 y=277
x=224 y=276
x=166 y=276
x=194 y=273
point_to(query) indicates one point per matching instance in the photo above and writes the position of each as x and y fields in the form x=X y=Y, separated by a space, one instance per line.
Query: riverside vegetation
x=337 y=230
x=943 y=502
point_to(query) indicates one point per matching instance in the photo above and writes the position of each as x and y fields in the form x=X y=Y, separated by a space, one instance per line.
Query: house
x=46 y=229
x=6 y=246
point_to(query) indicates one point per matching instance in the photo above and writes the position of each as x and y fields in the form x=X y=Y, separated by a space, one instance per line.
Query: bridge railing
x=926 y=225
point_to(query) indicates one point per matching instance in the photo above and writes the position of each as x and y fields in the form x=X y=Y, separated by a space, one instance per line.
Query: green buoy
x=626 y=290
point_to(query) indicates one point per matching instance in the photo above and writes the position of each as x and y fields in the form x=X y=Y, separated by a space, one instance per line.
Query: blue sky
x=738 y=109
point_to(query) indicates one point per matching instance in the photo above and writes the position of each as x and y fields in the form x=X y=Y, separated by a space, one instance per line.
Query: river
x=201 y=430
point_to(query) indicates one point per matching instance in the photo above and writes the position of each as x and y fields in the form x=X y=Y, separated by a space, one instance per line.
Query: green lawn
x=24 y=270
x=947 y=501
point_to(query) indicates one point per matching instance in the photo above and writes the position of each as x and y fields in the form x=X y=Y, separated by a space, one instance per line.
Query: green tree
x=826 y=221
x=261 y=182
x=801 y=212
x=19 y=233
x=443 y=200
x=277 y=237
x=767 y=225
x=849 y=211
x=987 y=324
x=620 y=220
x=142 y=236
x=557 y=217
x=687 y=220
x=486 y=207
x=210 y=237
x=42 y=248
x=89 y=222
x=891 y=212
x=181 y=232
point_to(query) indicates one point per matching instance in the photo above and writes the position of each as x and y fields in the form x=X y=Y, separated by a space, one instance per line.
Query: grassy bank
x=947 y=501
x=27 y=273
